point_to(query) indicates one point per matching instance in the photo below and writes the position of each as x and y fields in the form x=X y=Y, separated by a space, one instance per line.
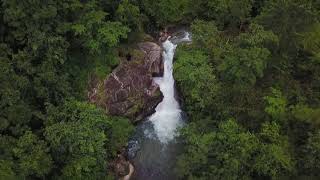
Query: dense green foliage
x=82 y=137
x=250 y=81
x=260 y=69
x=47 y=50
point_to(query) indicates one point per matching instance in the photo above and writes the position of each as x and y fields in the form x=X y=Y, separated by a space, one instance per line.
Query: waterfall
x=167 y=117
x=153 y=148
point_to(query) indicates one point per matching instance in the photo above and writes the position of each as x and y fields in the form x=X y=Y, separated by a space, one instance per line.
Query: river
x=155 y=145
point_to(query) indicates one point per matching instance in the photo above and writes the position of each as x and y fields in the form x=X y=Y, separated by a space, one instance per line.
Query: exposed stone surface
x=129 y=90
x=163 y=36
x=131 y=171
x=153 y=57
x=121 y=167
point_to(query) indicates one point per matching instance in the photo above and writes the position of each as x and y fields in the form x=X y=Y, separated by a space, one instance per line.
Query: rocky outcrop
x=128 y=176
x=121 y=167
x=130 y=90
x=163 y=36
x=153 y=59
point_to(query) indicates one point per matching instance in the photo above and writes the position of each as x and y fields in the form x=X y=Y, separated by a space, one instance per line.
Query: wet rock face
x=119 y=165
x=153 y=58
x=163 y=36
x=129 y=90
x=122 y=168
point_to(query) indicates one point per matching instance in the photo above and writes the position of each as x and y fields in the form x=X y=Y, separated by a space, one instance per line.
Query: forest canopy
x=250 y=84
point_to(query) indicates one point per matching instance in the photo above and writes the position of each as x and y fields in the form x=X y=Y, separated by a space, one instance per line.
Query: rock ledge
x=130 y=90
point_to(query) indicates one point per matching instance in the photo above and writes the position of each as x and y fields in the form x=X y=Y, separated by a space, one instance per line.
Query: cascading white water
x=153 y=148
x=167 y=117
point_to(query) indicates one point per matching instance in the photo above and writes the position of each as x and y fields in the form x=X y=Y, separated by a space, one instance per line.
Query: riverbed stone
x=130 y=90
x=120 y=166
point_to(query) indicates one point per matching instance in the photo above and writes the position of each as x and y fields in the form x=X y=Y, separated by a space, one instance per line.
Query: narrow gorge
x=154 y=147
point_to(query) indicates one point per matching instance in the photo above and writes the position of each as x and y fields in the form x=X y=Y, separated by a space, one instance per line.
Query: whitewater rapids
x=167 y=118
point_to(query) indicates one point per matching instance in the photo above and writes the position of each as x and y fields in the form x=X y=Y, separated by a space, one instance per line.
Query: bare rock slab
x=130 y=90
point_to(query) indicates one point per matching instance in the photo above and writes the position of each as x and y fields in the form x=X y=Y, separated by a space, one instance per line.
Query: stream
x=154 y=147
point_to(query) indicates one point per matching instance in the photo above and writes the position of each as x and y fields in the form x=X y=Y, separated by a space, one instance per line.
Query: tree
x=245 y=62
x=310 y=41
x=205 y=34
x=273 y=158
x=82 y=138
x=26 y=157
x=94 y=32
x=6 y=170
x=15 y=113
x=287 y=18
x=242 y=67
x=7 y=165
x=195 y=76
x=166 y=11
x=224 y=154
x=275 y=105
x=311 y=150
x=32 y=155
x=229 y=12
x=38 y=40
x=310 y=64
x=306 y=114
x=130 y=15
